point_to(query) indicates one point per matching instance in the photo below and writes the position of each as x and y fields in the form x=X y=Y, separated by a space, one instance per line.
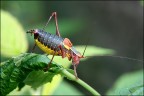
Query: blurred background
x=116 y=25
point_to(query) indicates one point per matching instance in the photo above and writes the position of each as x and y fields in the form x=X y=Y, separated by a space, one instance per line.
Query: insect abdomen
x=49 y=43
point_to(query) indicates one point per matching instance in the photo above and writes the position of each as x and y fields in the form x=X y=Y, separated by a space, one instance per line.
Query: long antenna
x=84 y=50
x=119 y=57
x=85 y=47
x=47 y=22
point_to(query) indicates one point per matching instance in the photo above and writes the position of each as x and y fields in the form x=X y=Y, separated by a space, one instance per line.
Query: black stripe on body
x=50 y=40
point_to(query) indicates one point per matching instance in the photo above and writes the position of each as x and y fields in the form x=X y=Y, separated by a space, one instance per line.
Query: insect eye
x=36 y=35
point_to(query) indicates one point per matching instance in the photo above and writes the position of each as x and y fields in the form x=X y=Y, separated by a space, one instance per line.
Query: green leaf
x=138 y=90
x=27 y=69
x=128 y=84
x=15 y=70
x=13 y=37
x=41 y=78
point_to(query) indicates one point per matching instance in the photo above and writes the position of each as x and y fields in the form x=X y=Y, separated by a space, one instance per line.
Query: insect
x=54 y=44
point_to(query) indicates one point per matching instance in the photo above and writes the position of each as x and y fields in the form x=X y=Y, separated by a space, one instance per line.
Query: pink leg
x=56 y=23
x=74 y=65
x=75 y=71
x=51 y=59
x=50 y=62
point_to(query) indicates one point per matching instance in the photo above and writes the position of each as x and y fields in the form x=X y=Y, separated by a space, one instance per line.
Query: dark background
x=116 y=25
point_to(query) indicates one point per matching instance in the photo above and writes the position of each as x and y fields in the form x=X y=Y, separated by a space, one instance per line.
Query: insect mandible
x=54 y=44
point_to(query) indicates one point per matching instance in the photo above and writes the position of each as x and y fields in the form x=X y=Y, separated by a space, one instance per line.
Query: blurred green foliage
x=128 y=84
x=13 y=37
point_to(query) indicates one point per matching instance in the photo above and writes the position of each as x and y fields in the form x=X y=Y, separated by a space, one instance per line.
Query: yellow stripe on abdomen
x=45 y=48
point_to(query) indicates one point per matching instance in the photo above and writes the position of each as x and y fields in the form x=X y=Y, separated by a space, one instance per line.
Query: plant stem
x=79 y=81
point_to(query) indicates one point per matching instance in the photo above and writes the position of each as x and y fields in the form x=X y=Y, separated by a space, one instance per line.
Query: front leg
x=33 y=48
